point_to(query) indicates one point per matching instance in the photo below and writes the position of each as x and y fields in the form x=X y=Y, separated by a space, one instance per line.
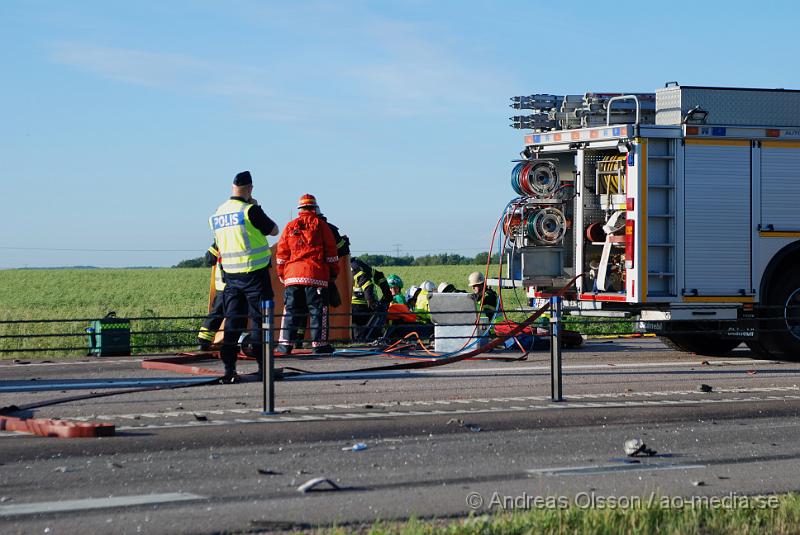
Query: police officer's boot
x=228 y=356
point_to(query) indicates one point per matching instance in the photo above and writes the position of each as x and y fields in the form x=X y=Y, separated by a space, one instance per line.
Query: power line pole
x=397 y=248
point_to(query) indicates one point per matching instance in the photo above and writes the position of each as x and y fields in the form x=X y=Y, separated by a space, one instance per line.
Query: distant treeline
x=191 y=263
x=441 y=259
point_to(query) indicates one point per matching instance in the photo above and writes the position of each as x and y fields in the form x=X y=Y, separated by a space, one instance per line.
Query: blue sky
x=123 y=124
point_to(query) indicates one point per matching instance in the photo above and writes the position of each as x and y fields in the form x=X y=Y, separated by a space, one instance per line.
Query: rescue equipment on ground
x=109 y=336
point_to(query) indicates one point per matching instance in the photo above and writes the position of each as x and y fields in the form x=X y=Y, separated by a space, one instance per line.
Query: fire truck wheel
x=701 y=343
x=781 y=337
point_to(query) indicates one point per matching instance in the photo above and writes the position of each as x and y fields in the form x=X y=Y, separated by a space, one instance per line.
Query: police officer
x=240 y=229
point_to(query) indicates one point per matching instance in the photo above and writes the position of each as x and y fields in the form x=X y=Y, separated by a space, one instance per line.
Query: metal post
x=555 y=348
x=268 y=355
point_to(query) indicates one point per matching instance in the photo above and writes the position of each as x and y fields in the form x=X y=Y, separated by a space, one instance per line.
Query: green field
x=84 y=294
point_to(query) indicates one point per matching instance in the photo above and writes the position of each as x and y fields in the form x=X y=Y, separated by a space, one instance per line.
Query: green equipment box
x=109 y=336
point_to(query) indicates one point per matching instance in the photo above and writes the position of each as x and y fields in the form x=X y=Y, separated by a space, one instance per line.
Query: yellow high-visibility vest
x=422 y=307
x=242 y=247
x=358 y=297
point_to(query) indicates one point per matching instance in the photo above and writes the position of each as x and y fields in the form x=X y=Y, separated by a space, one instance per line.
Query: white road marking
x=566 y=405
x=601 y=469
x=351 y=406
x=95 y=503
x=345 y=375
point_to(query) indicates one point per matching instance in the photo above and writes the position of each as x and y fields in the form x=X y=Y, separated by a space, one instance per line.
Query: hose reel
x=535 y=224
x=546 y=226
x=537 y=178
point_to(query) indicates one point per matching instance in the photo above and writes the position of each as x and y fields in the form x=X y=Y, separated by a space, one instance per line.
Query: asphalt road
x=473 y=436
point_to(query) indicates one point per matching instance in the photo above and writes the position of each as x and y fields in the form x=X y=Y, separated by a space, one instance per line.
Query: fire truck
x=679 y=209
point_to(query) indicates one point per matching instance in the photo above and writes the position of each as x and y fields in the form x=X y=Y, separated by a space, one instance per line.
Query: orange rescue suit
x=306 y=252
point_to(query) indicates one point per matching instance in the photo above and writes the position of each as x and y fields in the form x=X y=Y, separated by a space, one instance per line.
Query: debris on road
x=267 y=472
x=201 y=417
x=472 y=427
x=279 y=525
x=312 y=484
x=635 y=446
x=706 y=388
x=358 y=446
x=699 y=483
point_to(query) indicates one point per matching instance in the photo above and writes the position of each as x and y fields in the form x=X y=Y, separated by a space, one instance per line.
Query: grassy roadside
x=783 y=519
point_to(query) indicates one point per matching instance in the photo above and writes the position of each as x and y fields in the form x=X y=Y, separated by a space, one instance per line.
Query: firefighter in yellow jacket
x=205 y=338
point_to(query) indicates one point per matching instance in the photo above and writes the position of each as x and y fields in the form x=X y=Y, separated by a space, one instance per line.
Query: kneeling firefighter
x=485 y=297
x=369 y=312
x=421 y=305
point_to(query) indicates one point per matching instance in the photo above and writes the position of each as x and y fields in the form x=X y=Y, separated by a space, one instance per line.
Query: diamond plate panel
x=729 y=106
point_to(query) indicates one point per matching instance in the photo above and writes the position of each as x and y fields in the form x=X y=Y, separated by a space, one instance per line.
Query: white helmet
x=410 y=292
x=428 y=286
x=475 y=278
x=445 y=287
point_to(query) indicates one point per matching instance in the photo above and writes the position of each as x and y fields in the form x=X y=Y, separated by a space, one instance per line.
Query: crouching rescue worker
x=240 y=229
x=365 y=306
x=422 y=305
x=307 y=261
x=396 y=287
x=485 y=297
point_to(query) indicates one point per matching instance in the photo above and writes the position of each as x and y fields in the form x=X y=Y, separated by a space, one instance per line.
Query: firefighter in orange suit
x=307 y=261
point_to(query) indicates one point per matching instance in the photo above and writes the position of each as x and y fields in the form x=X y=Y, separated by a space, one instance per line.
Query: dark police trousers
x=301 y=300
x=242 y=301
